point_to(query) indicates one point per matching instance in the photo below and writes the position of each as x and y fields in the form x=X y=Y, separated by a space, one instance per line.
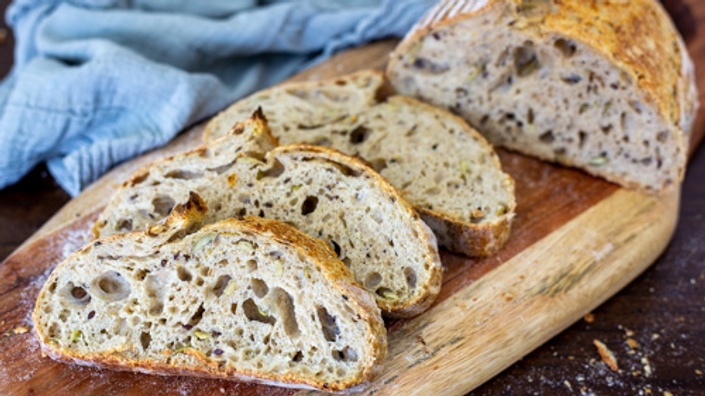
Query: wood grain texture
x=546 y=216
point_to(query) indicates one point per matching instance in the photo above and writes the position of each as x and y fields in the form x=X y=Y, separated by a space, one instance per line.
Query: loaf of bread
x=250 y=299
x=606 y=86
x=442 y=166
x=322 y=192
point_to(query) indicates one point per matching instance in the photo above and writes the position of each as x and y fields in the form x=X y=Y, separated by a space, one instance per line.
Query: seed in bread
x=250 y=299
x=323 y=192
x=604 y=86
x=442 y=166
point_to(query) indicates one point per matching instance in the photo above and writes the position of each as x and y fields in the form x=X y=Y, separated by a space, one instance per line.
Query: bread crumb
x=628 y=332
x=698 y=372
x=632 y=343
x=20 y=330
x=647 y=366
x=667 y=393
x=589 y=318
x=606 y=355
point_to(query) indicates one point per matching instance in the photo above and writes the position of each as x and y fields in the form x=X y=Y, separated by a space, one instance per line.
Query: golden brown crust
x=425 y=294
x=183 y=217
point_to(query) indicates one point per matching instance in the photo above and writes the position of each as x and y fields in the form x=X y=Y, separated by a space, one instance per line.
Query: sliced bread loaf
x=324 y=193
x=604 y=86
x=250 y=299
x=442 y=166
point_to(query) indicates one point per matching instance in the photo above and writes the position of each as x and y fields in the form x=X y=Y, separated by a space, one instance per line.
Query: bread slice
x=250 y=299
x=604 y=86
x=442 y=166
x=324 y=193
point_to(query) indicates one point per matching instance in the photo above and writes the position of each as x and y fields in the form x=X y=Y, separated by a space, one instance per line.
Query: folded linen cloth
x=96 y=82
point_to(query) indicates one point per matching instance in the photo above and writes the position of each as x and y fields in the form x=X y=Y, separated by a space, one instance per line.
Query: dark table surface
x=655 y=326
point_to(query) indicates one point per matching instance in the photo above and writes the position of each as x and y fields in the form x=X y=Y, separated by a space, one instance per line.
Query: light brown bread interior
x=324 y=193
x=607 y=87
x=442 y=166
x=250 y=299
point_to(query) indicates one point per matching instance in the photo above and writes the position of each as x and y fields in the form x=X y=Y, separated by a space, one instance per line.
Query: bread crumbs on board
x=606 y=355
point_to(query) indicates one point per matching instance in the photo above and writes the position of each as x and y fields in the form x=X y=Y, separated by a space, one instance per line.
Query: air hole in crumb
x=547 y=137
x=197 y=316
x=410 y=276
x=156 y=308
x=336 y=247
x=525 y=61
x=78 y=293
x=141 y=274
x=582 y=137
x=75 y=295
x=359 y=135
x=139 y=178
x=372 y=280
x=530 y=116
x=566 y=47
x=309 y=205
x=183 y=274
x=346 y=355
x=254 y=313
x=299 y=356
x=222 y=168
x=275 y=171
x=123 y=225
x=145 y=340
x=199 y=281
x=183 y=174
x=259 y=287
x=163 y=204
x=285 y=305
x=251 y=265
x=329 y=325
x=111 y=286
x=344 y=169
x=220 y=285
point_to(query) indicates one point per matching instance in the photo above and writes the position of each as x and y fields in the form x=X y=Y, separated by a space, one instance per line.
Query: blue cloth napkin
x=96 y=82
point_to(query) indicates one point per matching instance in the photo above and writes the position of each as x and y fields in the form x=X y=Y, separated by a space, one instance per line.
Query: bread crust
x=186 y=218
x=636 y=36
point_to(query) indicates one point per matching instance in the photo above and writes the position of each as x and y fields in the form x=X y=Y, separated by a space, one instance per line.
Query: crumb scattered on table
x=20 y=329
x=606 y=355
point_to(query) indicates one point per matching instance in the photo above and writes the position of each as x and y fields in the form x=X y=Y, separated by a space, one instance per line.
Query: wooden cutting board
x=576 y=241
